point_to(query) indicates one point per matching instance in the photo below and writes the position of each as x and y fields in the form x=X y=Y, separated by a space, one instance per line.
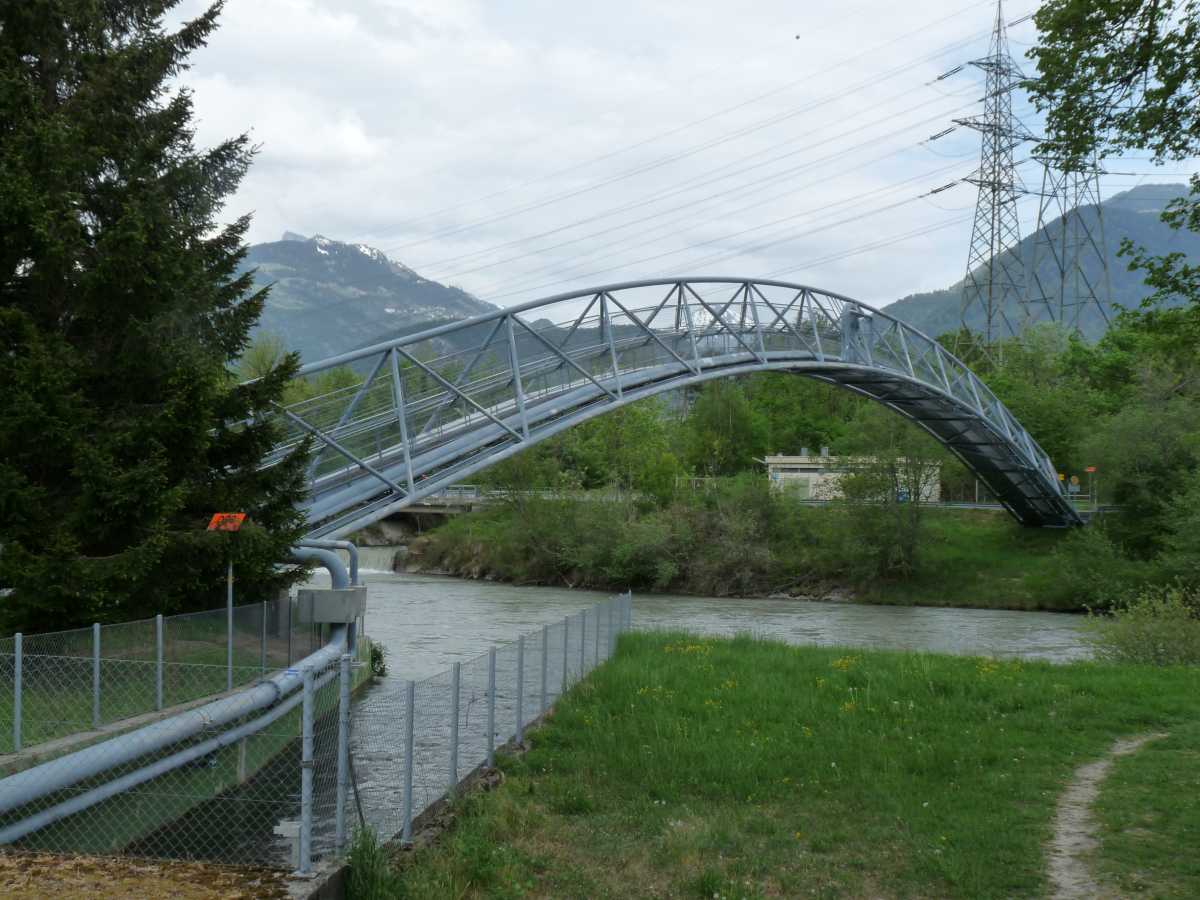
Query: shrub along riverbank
x=743 y=768
x=743 y=539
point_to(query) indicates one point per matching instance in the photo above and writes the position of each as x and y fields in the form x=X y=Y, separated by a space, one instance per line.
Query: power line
x=525 y=280
x=683 y=154
x=720 y=257
x=771 y=180
x=692 y=124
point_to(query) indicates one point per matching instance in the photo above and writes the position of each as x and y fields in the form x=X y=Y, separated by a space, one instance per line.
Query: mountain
x=1133 y=214
x=328 y=297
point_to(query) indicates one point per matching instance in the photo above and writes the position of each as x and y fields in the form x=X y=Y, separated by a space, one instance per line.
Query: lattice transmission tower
x=995 y=282
x=1068 y=271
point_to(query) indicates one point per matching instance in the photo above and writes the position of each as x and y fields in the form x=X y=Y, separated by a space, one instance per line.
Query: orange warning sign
x=226 y=521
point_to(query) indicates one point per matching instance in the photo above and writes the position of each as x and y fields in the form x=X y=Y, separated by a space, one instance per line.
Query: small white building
x=819 y=477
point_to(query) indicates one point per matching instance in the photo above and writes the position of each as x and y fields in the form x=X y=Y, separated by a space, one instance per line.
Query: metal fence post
x=596 y=637
x=306 y=775
x=410 y=704
x=158 y=661
x=545 y=660
x=289 y=630
x=262 y=656
x=582 y=643
x=95 y=674
x=18 y=650
x=491 y=722
x=520 y=688
x=229 y=630
x=343 y=750
x=566 y=646
x=455 y=681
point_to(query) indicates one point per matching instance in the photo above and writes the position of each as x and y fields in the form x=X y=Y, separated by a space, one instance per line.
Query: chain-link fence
x=59 y=684
x=278 y=772
x=413 y=742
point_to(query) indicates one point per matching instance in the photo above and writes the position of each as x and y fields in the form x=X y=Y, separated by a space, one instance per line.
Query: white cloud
x=438 y=129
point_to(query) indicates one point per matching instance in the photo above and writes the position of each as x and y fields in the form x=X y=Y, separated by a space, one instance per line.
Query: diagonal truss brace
x=326 y=439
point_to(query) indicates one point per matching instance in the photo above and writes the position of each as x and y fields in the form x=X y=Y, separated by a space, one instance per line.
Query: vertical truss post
x=812 y=318
x=691 y=328
x=762 y=347
x=518 y=388
x=401 y=415
x=606 y=328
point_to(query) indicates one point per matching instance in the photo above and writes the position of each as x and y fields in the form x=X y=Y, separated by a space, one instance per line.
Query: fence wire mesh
x=278 y=773
x=451 y=740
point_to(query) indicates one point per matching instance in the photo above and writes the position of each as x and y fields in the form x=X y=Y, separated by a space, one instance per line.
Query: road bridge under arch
x=432 y=408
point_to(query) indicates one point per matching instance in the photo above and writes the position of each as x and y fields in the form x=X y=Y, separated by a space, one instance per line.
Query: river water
x=429 y=622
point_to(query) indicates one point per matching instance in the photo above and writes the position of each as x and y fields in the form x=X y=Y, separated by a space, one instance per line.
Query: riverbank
x=967 y=558
x=699 y=767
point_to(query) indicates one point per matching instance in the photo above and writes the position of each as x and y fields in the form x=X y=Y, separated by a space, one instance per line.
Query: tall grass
x=371 y=876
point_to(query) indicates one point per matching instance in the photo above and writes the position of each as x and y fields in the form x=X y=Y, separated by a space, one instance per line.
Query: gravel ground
x=58 y=877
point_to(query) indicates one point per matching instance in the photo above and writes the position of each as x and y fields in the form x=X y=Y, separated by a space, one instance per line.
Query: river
x=429 y=622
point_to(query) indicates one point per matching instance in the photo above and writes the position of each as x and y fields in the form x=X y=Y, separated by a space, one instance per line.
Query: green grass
x=1149 y=813
x=691 y=767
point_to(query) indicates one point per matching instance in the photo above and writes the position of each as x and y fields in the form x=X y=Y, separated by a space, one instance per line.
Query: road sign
x=226 y=521
x=1090 y=469
x=1062 y=477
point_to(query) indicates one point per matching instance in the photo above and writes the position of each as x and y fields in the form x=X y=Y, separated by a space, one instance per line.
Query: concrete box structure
x=820 y=477
x=331 y=606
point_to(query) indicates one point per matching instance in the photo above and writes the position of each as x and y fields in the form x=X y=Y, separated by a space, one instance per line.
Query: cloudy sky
x=520 y=148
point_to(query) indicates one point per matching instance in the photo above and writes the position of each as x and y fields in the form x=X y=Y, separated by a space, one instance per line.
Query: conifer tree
x=122 y=311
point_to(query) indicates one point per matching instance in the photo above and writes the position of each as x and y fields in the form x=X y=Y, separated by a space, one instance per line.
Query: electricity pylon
x=995 y=283
x=1060 y=287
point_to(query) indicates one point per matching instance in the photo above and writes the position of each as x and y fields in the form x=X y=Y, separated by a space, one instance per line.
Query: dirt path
x=1075 y=828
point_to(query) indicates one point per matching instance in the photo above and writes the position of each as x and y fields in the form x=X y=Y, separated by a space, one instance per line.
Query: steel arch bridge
x=434 y=407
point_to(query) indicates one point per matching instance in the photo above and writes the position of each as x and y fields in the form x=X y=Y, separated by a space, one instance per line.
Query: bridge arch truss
x=432 y=408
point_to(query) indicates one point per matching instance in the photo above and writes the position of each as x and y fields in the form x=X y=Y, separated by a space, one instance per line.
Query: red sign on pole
x=1090 y=469
x=226 y=521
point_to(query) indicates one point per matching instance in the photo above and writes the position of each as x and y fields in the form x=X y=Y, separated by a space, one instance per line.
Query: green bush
x=378 y=660
x=1160 y=626
x=1092 y=572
